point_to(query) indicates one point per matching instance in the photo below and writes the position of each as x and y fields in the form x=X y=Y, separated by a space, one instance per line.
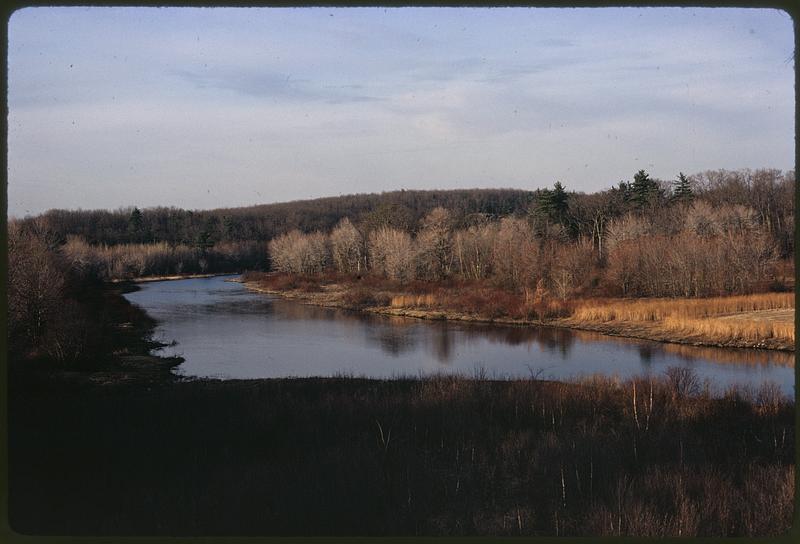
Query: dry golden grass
x=777 y=316
x=747 y=318
x=414 y=301
x=661 y=309
x=731 y=329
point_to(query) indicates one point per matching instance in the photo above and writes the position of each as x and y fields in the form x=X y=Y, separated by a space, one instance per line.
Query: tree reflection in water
x=225 y=331
x=398 y=335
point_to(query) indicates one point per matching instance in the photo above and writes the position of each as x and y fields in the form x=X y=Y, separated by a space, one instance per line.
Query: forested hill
x=767 y=194
x=401 y=209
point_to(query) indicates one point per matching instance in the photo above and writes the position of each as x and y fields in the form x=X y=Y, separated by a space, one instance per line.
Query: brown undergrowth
x=438 y=456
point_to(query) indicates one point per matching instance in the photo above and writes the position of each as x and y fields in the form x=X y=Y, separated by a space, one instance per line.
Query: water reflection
x=645 y=353
x=224 y=330
x=393 y=341
x=442 y=344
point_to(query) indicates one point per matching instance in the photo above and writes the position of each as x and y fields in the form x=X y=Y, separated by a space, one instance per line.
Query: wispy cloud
x=119 y=106
x=265 y=84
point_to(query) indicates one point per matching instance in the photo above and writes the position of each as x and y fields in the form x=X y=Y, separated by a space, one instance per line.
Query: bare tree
x=36 y=281
x=473 y=250
x=298 y=253
x=629 y=227
x=434 y=246
x=347 y=248
x=572 y=268
x=391 y=253
x=516 y=254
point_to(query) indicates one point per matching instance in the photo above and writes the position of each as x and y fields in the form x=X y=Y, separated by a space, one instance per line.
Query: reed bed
x=429 y=300
x=661 y=309
x=732 y=329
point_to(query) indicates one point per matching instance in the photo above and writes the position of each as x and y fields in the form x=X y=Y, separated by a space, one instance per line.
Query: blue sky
x=211 y=107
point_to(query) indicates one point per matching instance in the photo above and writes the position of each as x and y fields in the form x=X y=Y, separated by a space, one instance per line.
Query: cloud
x=555 y=42
x=265 y=84
x=109 y=107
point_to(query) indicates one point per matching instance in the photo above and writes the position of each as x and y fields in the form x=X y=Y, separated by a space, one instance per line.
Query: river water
x=223 y=330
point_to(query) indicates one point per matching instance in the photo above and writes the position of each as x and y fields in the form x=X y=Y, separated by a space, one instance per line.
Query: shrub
x=363 y=298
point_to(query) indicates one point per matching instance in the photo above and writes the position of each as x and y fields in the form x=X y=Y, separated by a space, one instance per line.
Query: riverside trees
x=715 y=232
x=635 y=240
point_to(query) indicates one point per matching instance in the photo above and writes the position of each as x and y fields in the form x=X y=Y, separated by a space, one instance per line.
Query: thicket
x=129 y=261
x=662 y=246
x=60 y=311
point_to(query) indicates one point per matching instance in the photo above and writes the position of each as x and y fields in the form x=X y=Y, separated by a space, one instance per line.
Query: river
x=226 y=331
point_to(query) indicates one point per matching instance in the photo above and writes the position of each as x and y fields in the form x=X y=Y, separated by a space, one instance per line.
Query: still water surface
x=224 y=330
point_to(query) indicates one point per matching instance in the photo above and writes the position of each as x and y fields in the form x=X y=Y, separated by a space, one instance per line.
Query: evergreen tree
x=551 y=207
x=559 y=204
x=544 y=203
x=136 y=226
x=553 y=204
x=682 y=188
x=643 y=189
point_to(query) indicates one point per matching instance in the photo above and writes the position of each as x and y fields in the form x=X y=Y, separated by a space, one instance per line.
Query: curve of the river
x=224 y=330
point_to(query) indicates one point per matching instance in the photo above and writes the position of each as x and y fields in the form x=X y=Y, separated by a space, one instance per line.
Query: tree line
x=714 y=233
x=203 y=228
x=690 y=249
x=769 y=192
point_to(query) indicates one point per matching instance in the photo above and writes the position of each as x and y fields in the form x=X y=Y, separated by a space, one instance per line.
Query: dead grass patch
x=765 y=317
x=660 y=309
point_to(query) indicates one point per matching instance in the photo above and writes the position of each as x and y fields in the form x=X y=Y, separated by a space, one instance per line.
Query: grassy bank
x=440 y=456
x=763 y=320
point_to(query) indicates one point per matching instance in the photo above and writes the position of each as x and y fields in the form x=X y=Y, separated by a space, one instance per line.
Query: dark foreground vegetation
x=439 y=456
x=65 y=318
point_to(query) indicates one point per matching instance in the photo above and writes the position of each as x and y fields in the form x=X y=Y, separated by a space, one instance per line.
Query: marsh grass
x=731 y=330
x=719 y=319
x=660 y=309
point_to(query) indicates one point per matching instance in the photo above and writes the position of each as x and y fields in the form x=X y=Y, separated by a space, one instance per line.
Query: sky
x=208 y=107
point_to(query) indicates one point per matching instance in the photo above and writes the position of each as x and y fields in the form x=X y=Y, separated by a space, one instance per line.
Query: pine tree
x=135 y=225
x=559 y=203
x=553 y=204
x=682 y=188
x=644 y=190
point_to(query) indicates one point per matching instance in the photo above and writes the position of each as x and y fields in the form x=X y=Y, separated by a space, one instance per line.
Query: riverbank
x=730 y=327
x=145 y=279
x=119 y=351
x=443 y=456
